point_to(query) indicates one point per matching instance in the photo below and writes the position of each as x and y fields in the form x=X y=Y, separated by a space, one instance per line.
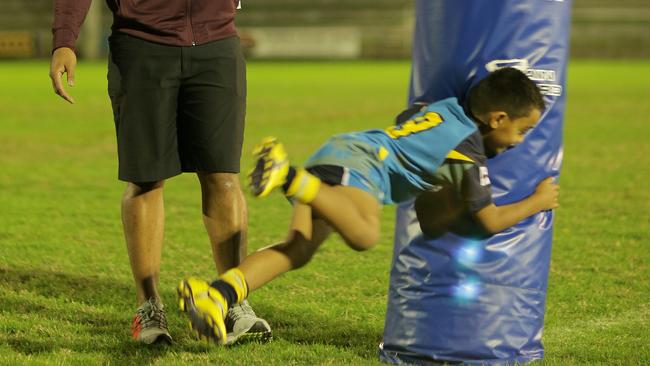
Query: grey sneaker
x=243 y=325
x=150 y=323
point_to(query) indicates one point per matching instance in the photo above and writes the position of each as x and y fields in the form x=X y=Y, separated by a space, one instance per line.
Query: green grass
x=66 y=293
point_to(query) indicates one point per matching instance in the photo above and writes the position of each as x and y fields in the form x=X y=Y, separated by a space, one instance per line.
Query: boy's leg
x=353 y=212
x=143 y=220
x=305 y=235
x=207 y=305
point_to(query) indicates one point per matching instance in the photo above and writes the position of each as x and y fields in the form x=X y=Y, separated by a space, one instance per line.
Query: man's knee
x=134 y=189
x=221 y=192
x=219 y=183
x=222 y=198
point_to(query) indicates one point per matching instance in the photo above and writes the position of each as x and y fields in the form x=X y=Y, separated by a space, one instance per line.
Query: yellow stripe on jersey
x=382 y=153
x=453 y=154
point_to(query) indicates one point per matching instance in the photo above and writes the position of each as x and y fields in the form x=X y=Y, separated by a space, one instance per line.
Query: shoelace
x=152 y=314
x=240 y=311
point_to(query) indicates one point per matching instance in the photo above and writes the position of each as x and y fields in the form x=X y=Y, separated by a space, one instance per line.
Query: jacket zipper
x=189 y=20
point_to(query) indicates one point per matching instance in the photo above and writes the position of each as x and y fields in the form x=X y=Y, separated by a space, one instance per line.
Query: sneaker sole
x=257 y=183
x=162 y=339
x=260 y=337
x=260 y=187
x=203 y=325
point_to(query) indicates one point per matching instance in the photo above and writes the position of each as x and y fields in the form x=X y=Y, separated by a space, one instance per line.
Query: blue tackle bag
x=481 y=301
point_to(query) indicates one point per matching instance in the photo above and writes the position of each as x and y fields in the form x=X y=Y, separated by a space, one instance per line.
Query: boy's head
x=507 y=104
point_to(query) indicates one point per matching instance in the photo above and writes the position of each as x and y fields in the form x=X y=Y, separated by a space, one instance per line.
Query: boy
x=350 y=176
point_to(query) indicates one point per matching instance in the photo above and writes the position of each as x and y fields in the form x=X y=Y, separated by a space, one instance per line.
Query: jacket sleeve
x=68 y=17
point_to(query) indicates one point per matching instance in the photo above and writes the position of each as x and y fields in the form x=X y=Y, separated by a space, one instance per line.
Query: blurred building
x=336 y=29
x=327 y=28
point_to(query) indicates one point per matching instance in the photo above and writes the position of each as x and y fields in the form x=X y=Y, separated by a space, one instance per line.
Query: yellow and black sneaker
x=206 y=308
x=271 y=167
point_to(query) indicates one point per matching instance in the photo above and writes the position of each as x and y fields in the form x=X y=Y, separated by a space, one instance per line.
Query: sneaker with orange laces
x=150 y=323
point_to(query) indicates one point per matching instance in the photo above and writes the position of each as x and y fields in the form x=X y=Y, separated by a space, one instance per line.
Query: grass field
x=66 y=293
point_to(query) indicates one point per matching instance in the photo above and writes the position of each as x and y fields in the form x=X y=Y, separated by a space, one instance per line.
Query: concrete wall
x=611 y=28
x=378 y=28
x=24 y=27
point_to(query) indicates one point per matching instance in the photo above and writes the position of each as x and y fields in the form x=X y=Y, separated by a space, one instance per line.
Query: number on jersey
x=415 y=125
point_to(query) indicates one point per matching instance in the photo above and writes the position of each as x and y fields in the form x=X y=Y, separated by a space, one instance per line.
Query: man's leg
x=224 y=217
x=143 y=220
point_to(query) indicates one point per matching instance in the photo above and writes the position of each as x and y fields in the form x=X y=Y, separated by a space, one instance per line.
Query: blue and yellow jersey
x=465 y=171
x=401 y=161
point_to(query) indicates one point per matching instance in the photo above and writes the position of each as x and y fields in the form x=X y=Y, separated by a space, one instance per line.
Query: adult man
x=177 y=83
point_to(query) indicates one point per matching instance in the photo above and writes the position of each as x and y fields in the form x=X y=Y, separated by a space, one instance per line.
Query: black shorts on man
x=176 y=109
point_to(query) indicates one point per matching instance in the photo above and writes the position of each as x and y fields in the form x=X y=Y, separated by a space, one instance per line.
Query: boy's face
x=505 y=132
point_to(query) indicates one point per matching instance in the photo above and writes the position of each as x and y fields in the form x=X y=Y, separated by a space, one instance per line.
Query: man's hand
x=546 y=194
x=64 y=61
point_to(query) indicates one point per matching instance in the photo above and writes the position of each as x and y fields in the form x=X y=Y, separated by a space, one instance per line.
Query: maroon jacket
x=172 y=22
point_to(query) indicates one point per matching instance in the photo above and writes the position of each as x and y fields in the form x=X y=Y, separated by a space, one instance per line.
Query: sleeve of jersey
x=68 y=17
x=477 y=191
x=406 y=114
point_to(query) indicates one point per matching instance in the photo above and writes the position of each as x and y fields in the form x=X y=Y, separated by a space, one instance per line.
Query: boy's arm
x=498 y=218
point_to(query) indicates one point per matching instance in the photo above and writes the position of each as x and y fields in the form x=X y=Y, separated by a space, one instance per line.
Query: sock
x=232 y=286
x=304 y=187
x=290 y=175
x=228 y=292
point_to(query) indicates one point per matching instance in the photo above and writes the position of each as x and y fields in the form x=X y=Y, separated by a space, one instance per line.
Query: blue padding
x=481 y=302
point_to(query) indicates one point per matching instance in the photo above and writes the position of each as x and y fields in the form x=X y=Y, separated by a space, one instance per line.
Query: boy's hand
x=497 y=218
x=546 y=194
x=64 y=61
